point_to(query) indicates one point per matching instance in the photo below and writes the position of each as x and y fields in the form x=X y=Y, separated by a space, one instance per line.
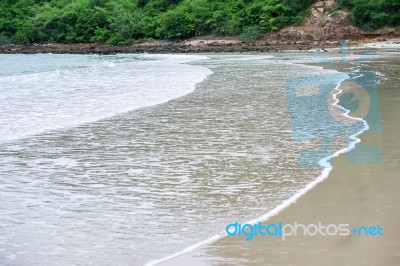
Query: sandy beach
x=354 y=194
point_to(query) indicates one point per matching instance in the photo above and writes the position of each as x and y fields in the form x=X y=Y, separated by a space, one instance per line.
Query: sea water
x=124 y=159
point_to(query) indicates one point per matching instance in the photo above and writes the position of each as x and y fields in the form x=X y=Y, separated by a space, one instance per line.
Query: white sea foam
x=103 y=87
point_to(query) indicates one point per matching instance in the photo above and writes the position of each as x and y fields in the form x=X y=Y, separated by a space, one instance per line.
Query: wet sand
x=354 y=194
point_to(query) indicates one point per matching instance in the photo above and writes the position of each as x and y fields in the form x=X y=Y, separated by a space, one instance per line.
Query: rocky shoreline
x=191 y=46
x=206 y=46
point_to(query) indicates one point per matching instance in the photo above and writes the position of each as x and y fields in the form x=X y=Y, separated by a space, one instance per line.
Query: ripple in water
x=146 y=183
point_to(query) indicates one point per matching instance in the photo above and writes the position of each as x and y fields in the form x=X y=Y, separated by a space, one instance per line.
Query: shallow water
x=114 y=169
x=355 y=193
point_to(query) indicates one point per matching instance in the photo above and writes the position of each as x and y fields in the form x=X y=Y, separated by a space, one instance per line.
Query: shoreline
x=336 y=200
x=160 y=47
x=197 y=45
x=325 y=172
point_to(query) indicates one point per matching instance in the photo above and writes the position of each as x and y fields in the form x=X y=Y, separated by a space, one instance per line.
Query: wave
x=324 y=162
x=85 y=92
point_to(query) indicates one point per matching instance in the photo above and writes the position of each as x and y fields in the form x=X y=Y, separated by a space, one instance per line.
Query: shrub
x=4 y=39
x=308 y=37
x=176 y=24
x=20 y=38
x=251 y=33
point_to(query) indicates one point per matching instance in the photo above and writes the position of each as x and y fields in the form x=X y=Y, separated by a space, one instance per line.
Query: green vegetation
x=124 y=21
x=308 y=37
x=251 y=33
x=373 y=14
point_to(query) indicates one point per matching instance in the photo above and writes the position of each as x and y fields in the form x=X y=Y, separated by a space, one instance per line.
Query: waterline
x=324 y=162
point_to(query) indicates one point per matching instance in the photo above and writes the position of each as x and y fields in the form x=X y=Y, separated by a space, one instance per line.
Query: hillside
x=124 y=22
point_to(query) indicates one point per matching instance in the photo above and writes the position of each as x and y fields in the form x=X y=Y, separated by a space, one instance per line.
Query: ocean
x=127 y=159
